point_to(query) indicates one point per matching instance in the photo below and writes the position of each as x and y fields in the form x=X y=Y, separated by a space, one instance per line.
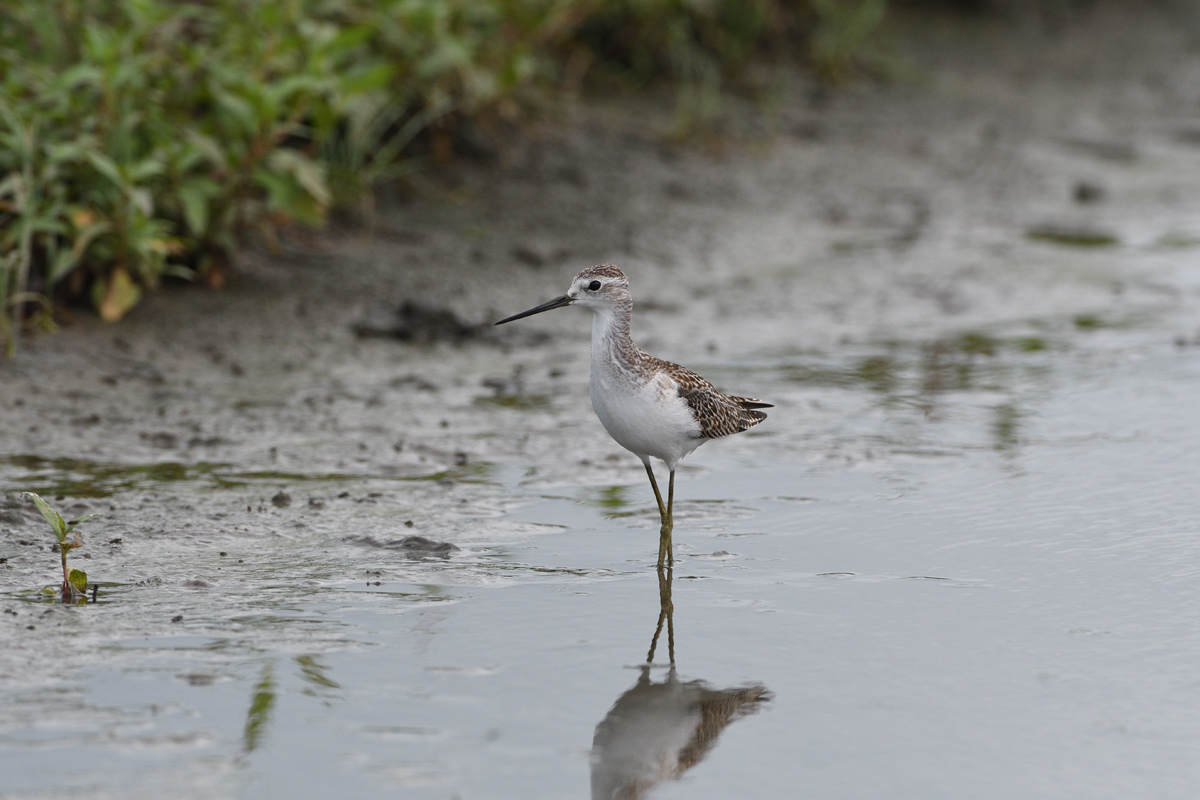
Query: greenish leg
x=669 y=524
x=664 y=512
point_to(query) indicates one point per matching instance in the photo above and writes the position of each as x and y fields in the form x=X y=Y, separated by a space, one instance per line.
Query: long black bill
x=557 y=302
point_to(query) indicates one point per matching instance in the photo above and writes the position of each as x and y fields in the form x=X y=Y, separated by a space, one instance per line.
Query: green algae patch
x=1066 y=236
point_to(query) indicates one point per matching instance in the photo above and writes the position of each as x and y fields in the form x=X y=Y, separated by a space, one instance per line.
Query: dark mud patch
x=414 y=547
x=420 y=323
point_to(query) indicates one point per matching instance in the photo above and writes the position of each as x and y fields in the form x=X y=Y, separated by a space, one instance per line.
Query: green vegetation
x=1072 y=237
x=1006 y=425
x=74 y=581
x=141 y=139
x=258 y=716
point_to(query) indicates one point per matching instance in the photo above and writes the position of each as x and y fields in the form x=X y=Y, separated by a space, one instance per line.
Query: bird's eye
x=594 y=286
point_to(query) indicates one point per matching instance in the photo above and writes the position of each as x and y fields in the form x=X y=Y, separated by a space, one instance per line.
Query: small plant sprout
x=74 y=581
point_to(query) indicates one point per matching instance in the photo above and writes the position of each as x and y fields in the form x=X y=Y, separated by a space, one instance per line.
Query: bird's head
x=600 y=288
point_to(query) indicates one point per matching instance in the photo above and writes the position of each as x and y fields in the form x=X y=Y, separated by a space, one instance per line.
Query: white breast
x=644 y=414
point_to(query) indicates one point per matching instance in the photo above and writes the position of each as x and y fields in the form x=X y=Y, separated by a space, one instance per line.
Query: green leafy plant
x=841 y=34
x=141 y=140
x=74 y=580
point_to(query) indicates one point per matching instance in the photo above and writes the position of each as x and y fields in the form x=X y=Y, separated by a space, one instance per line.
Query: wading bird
x=649 y=406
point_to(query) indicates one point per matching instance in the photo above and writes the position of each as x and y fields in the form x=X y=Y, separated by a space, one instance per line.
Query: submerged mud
x=346 y=523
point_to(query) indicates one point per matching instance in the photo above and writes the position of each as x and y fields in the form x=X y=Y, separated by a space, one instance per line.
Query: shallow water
x=959 y=559
x=955 y=566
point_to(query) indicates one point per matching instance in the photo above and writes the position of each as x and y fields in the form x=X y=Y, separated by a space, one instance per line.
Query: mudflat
x=353 y=537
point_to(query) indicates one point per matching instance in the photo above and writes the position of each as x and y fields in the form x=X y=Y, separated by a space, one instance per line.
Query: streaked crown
x=601 y=272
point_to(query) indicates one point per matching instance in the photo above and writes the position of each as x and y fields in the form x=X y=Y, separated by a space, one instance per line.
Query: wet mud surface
x=354 y=538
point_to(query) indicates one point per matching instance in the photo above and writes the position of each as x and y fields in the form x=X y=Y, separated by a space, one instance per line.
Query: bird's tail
x=750 y=416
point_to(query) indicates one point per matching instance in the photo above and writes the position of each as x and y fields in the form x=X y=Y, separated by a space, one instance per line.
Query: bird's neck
x=612 y=343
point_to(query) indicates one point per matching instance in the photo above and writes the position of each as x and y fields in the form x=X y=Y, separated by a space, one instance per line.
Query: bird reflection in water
x=657 y=731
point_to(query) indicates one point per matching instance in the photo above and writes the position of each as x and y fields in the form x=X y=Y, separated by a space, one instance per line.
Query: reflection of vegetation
x=946 y=367
x=1178 y=240
x=878 y=373
x=315 y=675
x=1092 y=322
x=946 y=364
x=1030 y=344
x=978 y=344
x=259 y=714
x=1005 y=422
x=610 y=498
x=918 y=375
x=814 y=375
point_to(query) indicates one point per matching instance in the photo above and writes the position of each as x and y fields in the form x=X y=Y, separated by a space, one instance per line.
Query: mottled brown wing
x=719 y=414
x=718 y=708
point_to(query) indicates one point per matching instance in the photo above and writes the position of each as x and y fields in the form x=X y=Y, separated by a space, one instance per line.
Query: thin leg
x=671 y=497
x=664 y=536
x=662 y=510
x=665 y=556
